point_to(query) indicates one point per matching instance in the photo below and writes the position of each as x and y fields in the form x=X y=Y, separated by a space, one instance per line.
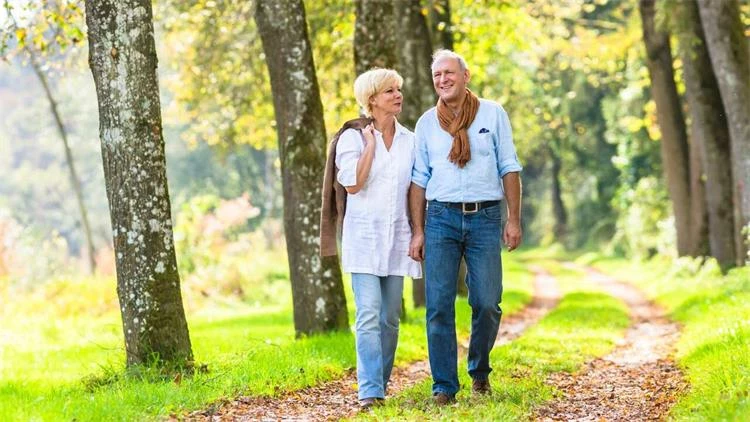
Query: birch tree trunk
x=728 y=50
x=710 y=132
x=317 y=289
x=674 y=147
x=122 y=57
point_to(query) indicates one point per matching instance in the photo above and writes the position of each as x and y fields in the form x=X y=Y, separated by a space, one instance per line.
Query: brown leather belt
x=468 y=207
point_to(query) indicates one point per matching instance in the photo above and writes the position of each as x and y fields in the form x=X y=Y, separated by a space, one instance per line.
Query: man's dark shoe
x=443 y=399
x=480 y=386
x=369 y=403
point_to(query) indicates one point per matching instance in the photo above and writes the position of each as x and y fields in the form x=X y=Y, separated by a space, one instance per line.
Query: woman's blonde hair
x=374 y=82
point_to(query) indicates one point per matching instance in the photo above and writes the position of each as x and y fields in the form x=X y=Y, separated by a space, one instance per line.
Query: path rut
x=638 y=381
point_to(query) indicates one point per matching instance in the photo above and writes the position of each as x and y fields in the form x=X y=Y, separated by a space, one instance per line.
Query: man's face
x=449 y=80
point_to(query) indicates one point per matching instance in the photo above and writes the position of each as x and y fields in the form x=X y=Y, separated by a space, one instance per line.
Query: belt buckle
x=473 y=207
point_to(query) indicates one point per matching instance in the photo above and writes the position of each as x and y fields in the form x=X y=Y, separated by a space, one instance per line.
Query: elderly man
x=465 y=165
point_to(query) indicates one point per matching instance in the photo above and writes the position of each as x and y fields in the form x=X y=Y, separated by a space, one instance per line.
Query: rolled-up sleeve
x=507 y=160
x=348 y=151
x=420 y=173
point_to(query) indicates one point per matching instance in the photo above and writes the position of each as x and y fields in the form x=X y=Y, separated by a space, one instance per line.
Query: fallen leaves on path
x=638 y=381
x=337 y=399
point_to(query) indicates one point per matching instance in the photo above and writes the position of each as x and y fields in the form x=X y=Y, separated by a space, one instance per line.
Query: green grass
x=586 y=323
x=714 y=347
x=62 y=357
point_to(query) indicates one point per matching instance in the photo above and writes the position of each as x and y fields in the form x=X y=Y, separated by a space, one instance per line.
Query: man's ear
x=467 y=74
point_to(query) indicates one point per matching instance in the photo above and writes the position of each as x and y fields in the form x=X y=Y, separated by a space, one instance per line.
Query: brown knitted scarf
x=457 y=126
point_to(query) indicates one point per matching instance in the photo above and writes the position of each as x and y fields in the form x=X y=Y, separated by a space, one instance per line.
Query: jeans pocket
x=435 y=209
x=493 y=213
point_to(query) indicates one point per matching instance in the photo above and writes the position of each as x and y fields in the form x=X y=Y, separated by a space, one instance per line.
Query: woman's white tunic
x=376 y=232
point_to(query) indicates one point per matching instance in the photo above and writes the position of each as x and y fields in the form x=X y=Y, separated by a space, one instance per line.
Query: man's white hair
x=443 y=54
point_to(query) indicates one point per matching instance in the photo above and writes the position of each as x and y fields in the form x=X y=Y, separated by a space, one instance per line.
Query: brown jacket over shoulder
x=334 y=195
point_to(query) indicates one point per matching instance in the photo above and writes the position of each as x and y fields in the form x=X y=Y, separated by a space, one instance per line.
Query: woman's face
x=389 y=100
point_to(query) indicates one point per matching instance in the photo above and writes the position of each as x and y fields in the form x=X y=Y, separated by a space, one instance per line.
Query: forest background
x=576 y=78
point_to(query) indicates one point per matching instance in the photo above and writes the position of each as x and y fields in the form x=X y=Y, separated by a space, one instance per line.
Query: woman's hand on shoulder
x=368 y=132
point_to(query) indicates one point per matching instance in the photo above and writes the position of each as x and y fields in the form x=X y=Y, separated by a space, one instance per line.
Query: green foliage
x=644 y=227
x=219 y=77
x=40 y=27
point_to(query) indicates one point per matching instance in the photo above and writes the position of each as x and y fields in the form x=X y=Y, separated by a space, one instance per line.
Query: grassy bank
x=62 y=357
x=714 y=348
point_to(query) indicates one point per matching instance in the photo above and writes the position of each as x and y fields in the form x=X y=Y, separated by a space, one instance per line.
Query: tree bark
x=674 y=147
x=74 y=180
x=122 y=57
x=375 y=31
x=730 y=58
x=415 y=58
x=699 y=245
x=709 y=132
x=558 y=207
x=440 y=24
x=317 y=289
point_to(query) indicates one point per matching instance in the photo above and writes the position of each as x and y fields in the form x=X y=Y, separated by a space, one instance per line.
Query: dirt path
x=338 y=399
x=638 y=381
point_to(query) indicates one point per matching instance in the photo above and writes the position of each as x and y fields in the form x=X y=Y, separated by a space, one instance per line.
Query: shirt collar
x=400 y=130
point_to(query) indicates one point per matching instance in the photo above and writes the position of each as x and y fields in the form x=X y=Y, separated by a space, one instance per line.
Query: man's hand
x=416 y=247
x=512 y=235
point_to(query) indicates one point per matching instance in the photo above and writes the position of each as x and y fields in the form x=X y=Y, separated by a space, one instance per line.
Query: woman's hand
x=369 y=134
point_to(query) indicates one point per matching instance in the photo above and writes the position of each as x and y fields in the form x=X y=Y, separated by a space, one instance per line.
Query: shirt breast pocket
x=485 y=143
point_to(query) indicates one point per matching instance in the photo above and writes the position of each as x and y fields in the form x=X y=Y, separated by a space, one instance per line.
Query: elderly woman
x=374 y=166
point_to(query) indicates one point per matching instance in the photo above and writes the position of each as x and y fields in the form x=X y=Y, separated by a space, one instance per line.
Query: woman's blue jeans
x=378 y=301
x=450 y=234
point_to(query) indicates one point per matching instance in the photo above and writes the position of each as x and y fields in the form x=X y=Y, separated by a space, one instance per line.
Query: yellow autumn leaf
x=21 y=35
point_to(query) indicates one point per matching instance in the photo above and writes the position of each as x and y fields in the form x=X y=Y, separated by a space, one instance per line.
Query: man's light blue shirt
x=493 y=155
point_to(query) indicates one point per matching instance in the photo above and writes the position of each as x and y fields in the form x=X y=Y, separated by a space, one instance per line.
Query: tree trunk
x=674 y=148
x=375 y=42
x=415 y=58
x=709 y=132
x=440 y=24
x=122 y=57
x=558 y=207
x=74 y=181
x=317 y=289
x=698 y=208
x=728 y=50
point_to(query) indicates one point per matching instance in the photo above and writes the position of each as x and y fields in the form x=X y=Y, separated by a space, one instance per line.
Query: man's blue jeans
x=450 y=234
x=378 y=301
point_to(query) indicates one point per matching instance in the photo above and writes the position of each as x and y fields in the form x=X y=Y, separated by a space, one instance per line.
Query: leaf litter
x=337 y=399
